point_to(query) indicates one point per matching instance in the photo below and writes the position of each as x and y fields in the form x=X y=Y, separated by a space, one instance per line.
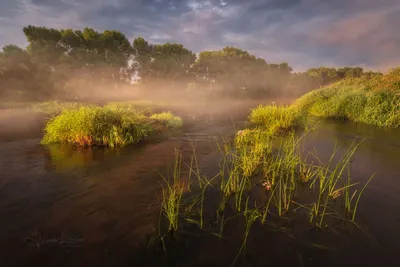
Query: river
x=105 y=202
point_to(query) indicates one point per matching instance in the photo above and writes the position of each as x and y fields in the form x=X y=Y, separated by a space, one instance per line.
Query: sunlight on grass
x=102 y=126
x=276 y=118
x=373 y=101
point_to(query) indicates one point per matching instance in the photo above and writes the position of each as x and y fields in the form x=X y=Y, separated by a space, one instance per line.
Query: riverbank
x=374 y=101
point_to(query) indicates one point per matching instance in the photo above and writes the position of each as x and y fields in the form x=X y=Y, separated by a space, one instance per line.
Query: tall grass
x=103 y=126
x=373 y=101
x=172 y=195
x=168 y=119
x=260 y=156
x=284 y=167
x=276 y=118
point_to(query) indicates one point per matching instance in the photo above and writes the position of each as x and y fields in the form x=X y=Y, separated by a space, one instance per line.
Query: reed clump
x=103 y=126
x=168 y=119
x=276 y=119
x=272 y=156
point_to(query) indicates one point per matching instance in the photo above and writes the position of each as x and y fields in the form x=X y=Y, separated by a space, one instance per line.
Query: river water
x=104 y=203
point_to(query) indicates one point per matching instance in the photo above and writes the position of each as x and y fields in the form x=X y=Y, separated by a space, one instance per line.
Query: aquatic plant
x=327 y=180
x=349 y=196
x=277 y=118
x=101 y=126
x=168 y=119
x=172 y=194
x=251 y=216
x=203 y=183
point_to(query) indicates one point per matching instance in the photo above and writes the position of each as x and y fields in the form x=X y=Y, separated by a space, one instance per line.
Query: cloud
x=304 y=33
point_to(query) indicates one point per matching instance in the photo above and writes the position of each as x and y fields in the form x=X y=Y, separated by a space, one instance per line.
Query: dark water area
x=105 y=204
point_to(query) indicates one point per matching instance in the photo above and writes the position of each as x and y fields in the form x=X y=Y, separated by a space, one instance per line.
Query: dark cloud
x=304 y=33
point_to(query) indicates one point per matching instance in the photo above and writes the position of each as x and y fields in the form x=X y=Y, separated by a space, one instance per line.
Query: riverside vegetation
x=373 y=100
x=270 y=156
x=110 y=125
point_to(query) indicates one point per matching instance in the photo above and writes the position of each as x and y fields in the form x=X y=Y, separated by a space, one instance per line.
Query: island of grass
x=371 y=100
x=109 y=126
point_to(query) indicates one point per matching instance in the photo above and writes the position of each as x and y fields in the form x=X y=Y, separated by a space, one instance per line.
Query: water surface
x=110 y=198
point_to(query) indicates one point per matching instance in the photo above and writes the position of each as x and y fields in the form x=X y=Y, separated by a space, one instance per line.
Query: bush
x=102 y=126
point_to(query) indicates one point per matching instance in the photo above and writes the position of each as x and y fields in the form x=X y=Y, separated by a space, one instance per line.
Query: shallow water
x=109 y=197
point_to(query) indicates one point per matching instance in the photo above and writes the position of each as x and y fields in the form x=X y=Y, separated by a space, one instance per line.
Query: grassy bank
x=374 y=101
x=106 y=126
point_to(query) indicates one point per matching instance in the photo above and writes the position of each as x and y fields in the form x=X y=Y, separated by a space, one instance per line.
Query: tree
x=169 y=62
x=18 y=74
x=233 y=68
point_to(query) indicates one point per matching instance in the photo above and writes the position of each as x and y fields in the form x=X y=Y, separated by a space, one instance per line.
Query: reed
x=172 y=194
x=251 y=216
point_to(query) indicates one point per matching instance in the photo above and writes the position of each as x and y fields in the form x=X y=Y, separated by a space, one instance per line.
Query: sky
x=304 y=33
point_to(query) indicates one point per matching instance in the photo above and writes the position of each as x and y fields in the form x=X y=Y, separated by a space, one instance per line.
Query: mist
x=91 y=67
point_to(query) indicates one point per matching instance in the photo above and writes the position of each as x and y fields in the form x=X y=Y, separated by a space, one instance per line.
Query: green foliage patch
x=373 y=100
x=277 y=118
x=104 y=126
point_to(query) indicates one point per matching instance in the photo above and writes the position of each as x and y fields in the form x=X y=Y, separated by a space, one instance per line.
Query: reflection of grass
x=37 y=240
x=65 y=156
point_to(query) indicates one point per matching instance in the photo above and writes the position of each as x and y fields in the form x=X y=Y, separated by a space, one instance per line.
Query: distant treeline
x=63 y=62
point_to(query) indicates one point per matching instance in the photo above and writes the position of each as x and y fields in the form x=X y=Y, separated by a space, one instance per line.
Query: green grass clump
x=374 y=101
x=276 y=118
x=101 y=126
x=172 y=194
x=168 y=119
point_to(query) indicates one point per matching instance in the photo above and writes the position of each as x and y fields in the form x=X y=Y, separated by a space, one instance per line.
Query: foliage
x=69 y=63
x=162 y=61
x=276 y=118
x=234 y=69
x=372 y=100
x=167 y=118
x=102 y=126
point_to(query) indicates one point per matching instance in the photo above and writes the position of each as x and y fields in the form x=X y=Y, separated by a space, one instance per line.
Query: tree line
x=60 y=62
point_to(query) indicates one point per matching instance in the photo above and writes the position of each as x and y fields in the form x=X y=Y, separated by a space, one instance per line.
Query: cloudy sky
x=304 y=33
